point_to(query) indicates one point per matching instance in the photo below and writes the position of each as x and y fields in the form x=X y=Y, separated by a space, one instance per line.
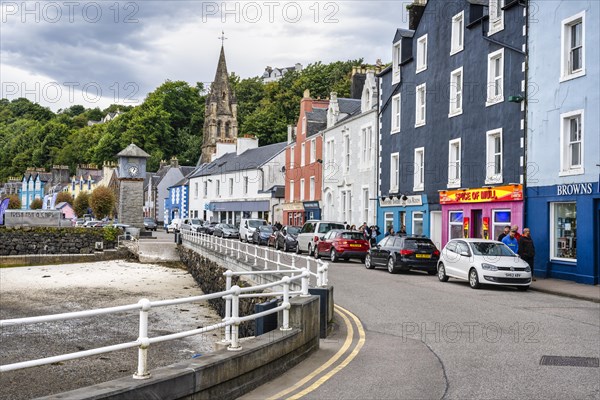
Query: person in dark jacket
x=505 y=233
x=527 y=249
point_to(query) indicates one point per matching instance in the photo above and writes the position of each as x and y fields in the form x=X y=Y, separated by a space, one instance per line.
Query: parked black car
x=261 y=234
x=207 y=227
x=403 y=253
x=226 y=231
x=150 y=224
x=287 y=238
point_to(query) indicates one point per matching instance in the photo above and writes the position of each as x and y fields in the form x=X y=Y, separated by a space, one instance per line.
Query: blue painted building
x=452 y=121
x=33 y=186
x=563 y=184
x=177 y=203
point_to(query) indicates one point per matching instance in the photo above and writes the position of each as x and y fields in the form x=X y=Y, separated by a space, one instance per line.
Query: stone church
x=220 y=122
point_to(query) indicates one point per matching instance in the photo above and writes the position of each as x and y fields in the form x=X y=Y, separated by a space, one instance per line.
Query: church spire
x=220 y=122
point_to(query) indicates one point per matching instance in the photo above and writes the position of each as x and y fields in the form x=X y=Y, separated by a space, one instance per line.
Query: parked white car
x=312 y=231
x=248 y=226
x=174 y=226
x=482 y=261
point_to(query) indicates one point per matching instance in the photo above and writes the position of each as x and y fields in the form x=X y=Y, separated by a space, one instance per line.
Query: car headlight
x=528 y=269
x=489 y=267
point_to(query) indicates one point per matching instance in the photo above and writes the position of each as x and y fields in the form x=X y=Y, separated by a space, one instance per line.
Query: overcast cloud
x=119 y=52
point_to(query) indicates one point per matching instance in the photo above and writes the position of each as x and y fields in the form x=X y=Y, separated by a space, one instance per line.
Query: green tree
x=102 y=202
x=36 y=204
x=14 y=203
x=82 y=204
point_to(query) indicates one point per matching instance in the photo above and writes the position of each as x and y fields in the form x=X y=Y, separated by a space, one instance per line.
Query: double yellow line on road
x=346 y=316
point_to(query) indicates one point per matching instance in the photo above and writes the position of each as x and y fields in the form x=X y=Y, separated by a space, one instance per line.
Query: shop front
x=231 y=212
x=564 y=222
x=410 y=212
x=480 y=213
x=312 y=210
x=293 y=214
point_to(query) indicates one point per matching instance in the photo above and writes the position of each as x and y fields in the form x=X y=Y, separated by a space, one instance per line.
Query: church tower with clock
x=220 y=119
x=131 y=174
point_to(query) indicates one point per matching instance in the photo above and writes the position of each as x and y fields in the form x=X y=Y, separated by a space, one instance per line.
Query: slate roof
x=349 y=106
x=316 y=121
x=231 y=162
x=133 y=151
x=403 y=33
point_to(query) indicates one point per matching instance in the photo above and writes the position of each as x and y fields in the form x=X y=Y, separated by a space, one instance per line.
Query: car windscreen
x=227 y=226
x=148 y=219
x=196 y=221
x=491 y=249
x=253 y=223
x=418 y=244
x=326 y=227
x=267 y=229
x=352 y=236
x=293 y=230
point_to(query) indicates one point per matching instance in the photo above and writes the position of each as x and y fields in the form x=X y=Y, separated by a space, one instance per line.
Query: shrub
x=64 y=197
x=36 y=204
x=102 y=201
x=82 y=203
x=14 y=203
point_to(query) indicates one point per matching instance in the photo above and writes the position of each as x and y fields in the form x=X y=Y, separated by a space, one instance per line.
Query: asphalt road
x=449 y=341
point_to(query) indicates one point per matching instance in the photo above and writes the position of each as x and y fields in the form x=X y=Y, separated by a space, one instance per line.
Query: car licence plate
x=511 y=275
x=423 y=255
x=354 y=245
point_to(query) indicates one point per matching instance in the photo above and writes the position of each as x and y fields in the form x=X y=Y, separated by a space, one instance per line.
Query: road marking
x=340 y=353
x=343 y=364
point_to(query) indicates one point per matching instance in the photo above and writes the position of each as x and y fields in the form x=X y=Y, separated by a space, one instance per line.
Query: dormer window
x=421 y=54
x=496 y=16
x=396 y=60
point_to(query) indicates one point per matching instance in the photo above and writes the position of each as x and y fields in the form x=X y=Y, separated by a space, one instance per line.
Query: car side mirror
x=465 y=254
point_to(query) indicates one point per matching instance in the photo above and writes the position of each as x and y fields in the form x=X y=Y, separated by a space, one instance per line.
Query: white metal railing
x=251 y=253
x=231 y=322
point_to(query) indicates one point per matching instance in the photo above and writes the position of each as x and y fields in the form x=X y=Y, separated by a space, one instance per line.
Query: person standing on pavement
x=511 y=241
x=527 y=249
x=516 y=229
x=505 y=233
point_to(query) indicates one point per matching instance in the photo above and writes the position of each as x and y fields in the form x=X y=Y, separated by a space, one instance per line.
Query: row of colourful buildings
x=486 y=117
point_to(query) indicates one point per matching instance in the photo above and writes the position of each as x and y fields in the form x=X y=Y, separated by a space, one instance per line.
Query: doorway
x=477 y=224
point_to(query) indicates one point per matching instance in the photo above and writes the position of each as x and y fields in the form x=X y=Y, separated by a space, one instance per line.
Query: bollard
x=142 y=370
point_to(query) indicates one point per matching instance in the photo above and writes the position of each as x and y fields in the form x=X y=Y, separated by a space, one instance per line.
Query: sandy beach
x=42 y=290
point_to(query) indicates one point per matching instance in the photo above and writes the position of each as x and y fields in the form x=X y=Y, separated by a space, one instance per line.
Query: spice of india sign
x=483 y=195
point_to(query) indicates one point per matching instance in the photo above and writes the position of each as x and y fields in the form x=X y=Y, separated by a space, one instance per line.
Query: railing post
x=142 y=370
x=235 y=316
x=239 y=244
x=232 y=247
x=286 y=303
x=228 y=277
x=255 y=255
x=266 y=257
x=278 y=259
x=305 y=279
x=319 y=273
x=293 y=261
x=246 y=252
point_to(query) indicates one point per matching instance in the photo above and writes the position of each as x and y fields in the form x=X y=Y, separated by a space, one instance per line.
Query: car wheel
x=523 y=288
x=390 y=266
x=276 y=245
x=474 y=279
x=285 y=247
x=316 y=253
x=298 y=251
x=441 y=273
x=333 y=255
x=310 y=250
x=368 y=264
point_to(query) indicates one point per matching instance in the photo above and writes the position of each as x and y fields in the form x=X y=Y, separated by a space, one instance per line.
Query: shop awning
x=261 y=205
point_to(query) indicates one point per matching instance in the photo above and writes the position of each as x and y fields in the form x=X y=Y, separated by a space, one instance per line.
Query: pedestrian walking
x=511 y=241
x=374 y=233
x=504 y=233
x=527 y=249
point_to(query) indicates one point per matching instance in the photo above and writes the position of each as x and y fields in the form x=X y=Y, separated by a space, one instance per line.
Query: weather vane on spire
x=223 y=38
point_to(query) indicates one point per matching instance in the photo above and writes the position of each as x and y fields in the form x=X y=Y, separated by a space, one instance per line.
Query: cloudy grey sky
x=95 y=53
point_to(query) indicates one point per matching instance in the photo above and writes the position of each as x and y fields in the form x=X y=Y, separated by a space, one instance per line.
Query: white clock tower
x=132 y=171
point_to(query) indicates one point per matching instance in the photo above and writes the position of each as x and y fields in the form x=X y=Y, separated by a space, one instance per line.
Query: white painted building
x=246 y=182
x=349 y=157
